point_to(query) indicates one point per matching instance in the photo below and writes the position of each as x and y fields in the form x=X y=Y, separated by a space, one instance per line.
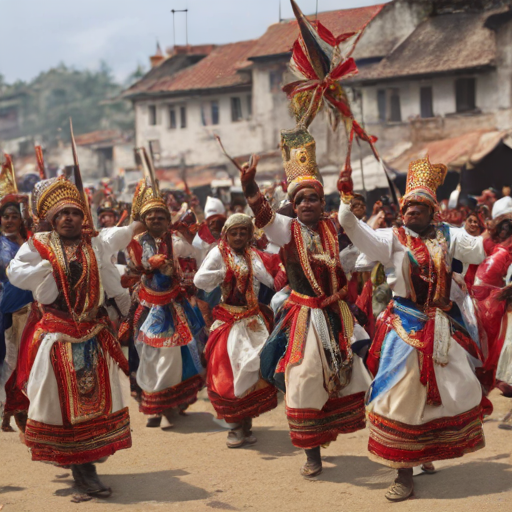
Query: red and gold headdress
x=53 y=195
x=320 y=61
x=144 y=201
x=423 y=180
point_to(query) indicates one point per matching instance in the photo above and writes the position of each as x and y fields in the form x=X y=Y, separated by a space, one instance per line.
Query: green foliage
x=91 y=98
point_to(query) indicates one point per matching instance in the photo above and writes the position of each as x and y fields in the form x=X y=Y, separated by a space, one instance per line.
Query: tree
x=91 y=98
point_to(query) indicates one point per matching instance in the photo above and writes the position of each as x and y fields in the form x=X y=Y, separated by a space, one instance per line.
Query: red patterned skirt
x=310 y=428
x=399 y=445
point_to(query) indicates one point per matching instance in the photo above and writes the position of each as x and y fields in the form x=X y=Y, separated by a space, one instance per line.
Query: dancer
x=170 y=371
x=425 y=403
x=77 y=414
x=308 y=355
x=235 y=388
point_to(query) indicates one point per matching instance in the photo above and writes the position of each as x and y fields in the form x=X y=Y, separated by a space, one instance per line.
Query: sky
x=38 y=35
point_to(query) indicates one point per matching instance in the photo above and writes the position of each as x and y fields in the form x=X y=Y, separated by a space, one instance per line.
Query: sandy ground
x=190 y=469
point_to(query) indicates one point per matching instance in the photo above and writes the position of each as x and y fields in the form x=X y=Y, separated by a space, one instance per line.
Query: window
x=152 y=115
x=172 y=119
x=276 y=78
x=215 y=112
x=465 y=94
x=382 y=105
x=395 y=113
x=210 y=112
x=249 y=106
x=183 y=117
x=388 y=105
x=426 y=102
x=236 y=110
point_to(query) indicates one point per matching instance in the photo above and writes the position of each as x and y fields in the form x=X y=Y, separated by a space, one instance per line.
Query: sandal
x=428 y=468
x=311 y=469
x=402 y=488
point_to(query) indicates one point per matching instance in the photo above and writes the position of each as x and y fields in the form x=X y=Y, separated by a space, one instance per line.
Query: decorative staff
x=79 y=184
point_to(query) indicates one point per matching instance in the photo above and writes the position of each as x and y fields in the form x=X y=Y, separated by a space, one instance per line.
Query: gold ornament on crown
x=144 y=201
x=52 y=195
x=423 y=175
x=298 y=148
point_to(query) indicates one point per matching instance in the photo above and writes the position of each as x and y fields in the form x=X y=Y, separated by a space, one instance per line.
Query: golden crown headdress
x=423 y=180
x=52 y=195
x=144 y=200
x=298 y=148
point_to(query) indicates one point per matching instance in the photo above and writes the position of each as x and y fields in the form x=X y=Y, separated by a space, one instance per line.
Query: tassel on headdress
x=320 y=61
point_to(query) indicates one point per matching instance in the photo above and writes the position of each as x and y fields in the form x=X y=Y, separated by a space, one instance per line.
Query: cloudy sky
x=37 y=35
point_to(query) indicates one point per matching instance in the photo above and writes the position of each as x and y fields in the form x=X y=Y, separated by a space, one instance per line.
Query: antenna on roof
x=316 y=10
x=280 y=17
x=174 y=11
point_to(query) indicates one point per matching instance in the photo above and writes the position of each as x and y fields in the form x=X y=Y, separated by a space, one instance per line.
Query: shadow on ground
x=191 y=423
x=273 y=444
x=10 y=488
x=465 y=480
x=159 y=486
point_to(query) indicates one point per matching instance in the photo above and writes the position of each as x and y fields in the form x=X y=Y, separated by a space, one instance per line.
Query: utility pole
x=174 y=11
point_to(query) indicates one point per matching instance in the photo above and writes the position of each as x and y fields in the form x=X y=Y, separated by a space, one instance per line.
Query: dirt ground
x=190 y=469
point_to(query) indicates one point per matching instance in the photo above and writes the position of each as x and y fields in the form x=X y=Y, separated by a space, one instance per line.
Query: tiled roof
x=280 y=37
x=219 y=69
x=440 y=44
x=221 y=66
x=97 y=137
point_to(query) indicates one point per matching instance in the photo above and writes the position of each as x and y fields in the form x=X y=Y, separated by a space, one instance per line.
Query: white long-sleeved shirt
x=382 y=245
x=213 y=270
x=29 y=271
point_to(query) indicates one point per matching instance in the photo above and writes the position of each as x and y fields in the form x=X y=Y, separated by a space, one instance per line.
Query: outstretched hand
x=248 y=176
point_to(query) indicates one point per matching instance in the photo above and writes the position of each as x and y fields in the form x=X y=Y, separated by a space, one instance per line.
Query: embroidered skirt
x=294 y=360
x=233 y=372
x=416 y=417
x=77 y=411
x=170 y=371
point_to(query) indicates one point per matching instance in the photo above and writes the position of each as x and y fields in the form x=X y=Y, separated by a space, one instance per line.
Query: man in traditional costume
x=77 y=412
x=240 y=330
x=165 y=323
x=14 y=303
x=308 y=355
x=425 y=403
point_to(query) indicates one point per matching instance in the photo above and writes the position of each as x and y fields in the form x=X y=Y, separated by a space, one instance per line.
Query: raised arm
x=467 y=248
x=117 y=239
x=277 y=227
x=377 y=245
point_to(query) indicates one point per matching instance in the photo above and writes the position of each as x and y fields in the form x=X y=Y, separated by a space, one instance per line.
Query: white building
x=234 y=91
x=429 y=70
